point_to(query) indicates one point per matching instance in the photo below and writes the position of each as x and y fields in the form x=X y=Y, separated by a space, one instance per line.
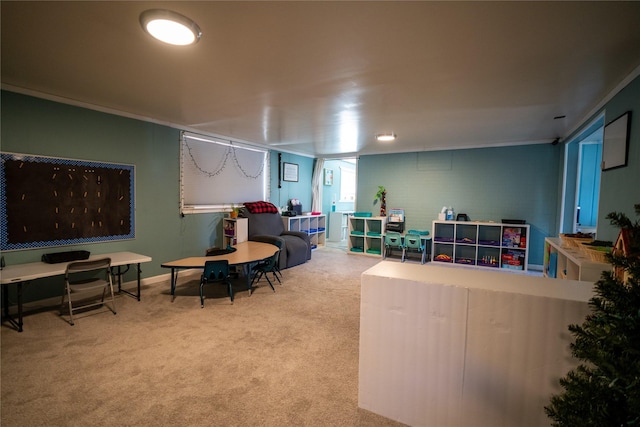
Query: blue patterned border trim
x=4 y=235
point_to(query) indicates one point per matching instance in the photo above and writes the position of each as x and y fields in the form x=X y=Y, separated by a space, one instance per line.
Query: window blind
x=215 y=174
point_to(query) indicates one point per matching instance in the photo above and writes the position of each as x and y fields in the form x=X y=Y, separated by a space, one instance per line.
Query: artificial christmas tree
x=604 y=390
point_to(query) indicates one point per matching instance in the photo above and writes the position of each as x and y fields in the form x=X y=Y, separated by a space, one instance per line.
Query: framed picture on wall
x=615 y=144
x=290 y=172
x=328 y=177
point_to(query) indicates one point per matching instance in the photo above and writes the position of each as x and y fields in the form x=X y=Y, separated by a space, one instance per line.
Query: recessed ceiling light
x=386 y=137
x=170 y=27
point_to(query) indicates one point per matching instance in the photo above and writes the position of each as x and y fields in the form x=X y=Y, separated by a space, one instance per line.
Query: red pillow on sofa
x=261 y=207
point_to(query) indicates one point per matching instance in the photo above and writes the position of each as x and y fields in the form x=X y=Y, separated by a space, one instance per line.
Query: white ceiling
x=322 y=78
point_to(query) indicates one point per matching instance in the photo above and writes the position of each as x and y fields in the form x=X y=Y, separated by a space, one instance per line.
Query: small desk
x=245 y=254
x=21 y=273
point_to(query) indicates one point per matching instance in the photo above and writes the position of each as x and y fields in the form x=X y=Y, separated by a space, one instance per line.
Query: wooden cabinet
x=570 y=263
x=314 y=225
x=234 y=231
x=366 y=235
x=481 y=244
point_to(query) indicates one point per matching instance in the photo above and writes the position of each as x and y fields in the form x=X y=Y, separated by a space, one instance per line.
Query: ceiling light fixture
x=386 y=137
x=170 y=27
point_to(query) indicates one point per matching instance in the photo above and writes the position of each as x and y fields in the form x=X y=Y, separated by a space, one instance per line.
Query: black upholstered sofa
x=269 y=228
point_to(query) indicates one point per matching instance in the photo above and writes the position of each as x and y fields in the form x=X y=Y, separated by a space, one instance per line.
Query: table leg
x=5 y=300
x=5 y=297
x=19 y=306
x=139 y=281
x=246 y=270
x=120 y=290
x=174 y=279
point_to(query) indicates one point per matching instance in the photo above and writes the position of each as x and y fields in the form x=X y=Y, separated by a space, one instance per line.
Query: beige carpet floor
x=288 y=358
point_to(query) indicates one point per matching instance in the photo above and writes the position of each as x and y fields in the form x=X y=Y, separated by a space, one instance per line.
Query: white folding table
x=22 y=273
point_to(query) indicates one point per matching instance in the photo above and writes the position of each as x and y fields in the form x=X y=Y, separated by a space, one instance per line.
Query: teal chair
x=393 y=241
x=414 y=243
x=215 y=272
x=263 y=268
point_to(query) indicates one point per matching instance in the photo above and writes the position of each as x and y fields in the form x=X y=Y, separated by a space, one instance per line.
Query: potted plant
x=235 y=210
x=382 y=196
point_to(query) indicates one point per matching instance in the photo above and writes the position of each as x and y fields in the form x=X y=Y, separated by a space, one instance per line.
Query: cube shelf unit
x=234 y=231
x=366 y=235
x=314 y=225
x=481 y=244
x=562 y=262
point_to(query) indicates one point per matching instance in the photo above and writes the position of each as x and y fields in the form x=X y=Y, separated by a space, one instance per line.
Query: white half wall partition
x=444 y=346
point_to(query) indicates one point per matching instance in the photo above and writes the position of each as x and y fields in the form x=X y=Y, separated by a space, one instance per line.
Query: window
x=347 y=184
x=215 y=174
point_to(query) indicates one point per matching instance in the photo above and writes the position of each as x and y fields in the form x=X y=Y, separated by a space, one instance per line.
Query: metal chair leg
x=270 y=284
x=201 y=294
x=230 y=290
x=277 y=278
x=70 y=308
x=113 y=299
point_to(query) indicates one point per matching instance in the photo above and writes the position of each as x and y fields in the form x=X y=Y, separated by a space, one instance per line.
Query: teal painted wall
x=288 y=190
x=487 y=184
x=36 y=126
x=620 y=188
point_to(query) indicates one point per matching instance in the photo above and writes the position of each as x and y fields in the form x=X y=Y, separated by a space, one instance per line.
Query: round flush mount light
x=386 y=137
x=170 y=27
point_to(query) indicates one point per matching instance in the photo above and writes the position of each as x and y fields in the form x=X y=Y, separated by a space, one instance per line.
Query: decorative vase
x=383 y=204
x=233 y=214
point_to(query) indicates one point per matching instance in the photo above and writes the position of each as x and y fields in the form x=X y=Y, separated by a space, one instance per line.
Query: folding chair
x=215 y=272
x=85 y=277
